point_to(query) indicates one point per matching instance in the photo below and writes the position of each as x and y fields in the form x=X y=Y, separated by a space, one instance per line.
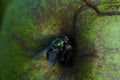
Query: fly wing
x=38 y=55
x=52 y=58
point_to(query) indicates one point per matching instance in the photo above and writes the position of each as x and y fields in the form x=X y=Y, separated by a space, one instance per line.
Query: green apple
x=30 y=25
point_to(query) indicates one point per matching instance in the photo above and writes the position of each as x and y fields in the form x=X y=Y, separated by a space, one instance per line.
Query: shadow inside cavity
x=83 y=61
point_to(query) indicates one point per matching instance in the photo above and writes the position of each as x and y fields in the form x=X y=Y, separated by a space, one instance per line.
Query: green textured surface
x=99 y=36
x=30 y=25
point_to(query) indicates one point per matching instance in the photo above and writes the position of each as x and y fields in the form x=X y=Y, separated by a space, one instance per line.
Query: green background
x=3 y=5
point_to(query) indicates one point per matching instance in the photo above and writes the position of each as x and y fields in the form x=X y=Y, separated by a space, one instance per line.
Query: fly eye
x=58 y=44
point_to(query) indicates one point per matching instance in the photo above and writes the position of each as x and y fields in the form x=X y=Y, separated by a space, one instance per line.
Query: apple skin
x=30 y=25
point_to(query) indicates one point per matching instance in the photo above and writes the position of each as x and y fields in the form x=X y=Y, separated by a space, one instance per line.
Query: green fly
x=56 y=51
